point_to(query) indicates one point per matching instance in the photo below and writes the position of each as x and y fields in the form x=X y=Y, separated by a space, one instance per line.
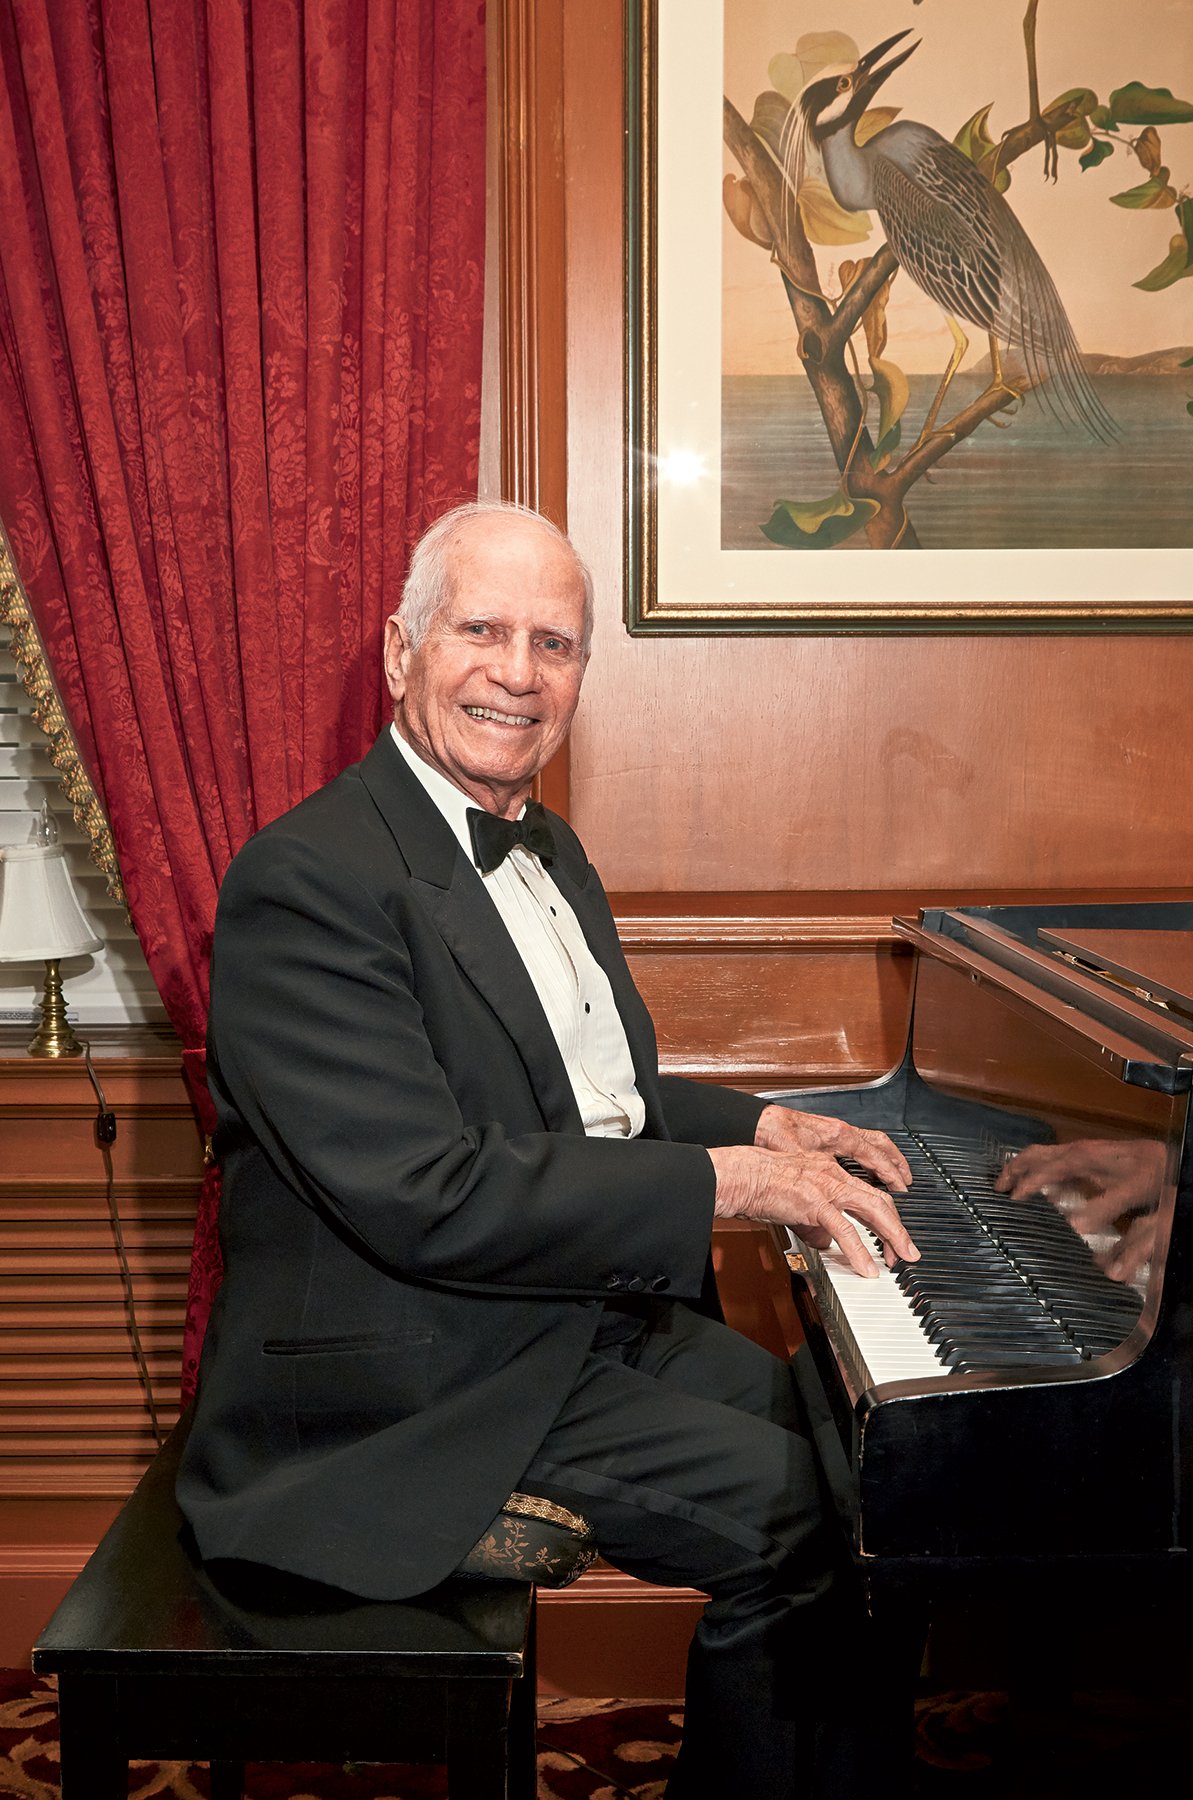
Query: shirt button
x=587 y=1008
x=660 y=1284
x=552 y=912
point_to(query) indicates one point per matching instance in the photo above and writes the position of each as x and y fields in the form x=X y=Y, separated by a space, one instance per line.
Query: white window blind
x=114 y=986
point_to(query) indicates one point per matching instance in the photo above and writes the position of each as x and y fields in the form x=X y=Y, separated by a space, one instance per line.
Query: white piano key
x=890 y=1343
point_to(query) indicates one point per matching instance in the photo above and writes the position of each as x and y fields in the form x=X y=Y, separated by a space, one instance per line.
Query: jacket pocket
x=344 y=1389
x=331 y=1346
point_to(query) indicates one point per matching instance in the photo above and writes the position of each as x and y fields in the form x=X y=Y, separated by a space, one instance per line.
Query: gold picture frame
x=682 y=576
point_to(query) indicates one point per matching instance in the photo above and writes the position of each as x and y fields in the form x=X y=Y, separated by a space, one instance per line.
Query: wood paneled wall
x=768 y=999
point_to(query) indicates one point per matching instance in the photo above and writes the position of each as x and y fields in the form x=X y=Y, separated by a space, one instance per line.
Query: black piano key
x=1078 y=1321
x=965 y=1280
x=995 y=1349
x=974 y=1342
x=979 y=1307
x=1061 y=1290
x=986 y=1365
x=975 y=1331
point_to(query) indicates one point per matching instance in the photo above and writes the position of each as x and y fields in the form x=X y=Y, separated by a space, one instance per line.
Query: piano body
x=1004 y=1409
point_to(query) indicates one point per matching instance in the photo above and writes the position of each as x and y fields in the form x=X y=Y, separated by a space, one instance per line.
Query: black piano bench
x=160 y=1657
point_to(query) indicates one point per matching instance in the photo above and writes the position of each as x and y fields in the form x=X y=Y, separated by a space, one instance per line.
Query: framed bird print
x=910 y=323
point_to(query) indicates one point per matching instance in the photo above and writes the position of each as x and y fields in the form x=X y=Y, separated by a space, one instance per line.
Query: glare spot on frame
x=682 y=468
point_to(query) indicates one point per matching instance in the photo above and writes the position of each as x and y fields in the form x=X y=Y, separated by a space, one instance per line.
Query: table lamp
x=40 y=920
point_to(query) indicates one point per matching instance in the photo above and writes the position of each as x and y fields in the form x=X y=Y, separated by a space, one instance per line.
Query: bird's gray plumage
x=953 y=233
x=959 y=240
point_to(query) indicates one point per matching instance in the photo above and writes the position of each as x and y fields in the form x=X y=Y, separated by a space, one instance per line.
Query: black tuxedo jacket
x=418 y=1235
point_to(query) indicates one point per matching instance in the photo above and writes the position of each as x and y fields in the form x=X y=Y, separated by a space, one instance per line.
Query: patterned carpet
x=588 y=1750
x=970 y=1746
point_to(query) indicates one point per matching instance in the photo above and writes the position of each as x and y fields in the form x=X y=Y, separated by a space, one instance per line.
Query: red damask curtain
x=241 y=275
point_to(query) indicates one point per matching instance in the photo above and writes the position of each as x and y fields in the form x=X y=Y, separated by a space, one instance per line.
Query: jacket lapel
x=471 y=927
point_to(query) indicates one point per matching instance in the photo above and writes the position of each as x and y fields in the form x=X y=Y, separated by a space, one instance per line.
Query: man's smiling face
x=489 y=694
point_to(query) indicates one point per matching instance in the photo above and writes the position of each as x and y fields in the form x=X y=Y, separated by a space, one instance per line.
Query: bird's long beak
x=868 y=67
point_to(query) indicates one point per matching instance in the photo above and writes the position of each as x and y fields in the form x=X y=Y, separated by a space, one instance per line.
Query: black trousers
x=687 y=1447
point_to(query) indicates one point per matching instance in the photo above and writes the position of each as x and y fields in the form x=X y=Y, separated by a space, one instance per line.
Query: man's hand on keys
x=791 y=1176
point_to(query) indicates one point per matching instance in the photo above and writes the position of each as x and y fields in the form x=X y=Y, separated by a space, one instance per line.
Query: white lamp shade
x=39 y=914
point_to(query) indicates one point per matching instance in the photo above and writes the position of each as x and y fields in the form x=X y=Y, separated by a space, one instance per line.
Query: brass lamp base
x=55 y=1036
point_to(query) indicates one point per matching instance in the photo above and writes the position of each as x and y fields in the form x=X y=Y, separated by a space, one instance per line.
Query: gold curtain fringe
x=28 y=653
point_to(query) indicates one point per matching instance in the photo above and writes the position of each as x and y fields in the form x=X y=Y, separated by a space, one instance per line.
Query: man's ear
x=397 y=654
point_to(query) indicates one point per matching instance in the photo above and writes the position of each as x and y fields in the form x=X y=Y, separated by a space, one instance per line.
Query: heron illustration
x=951 y=230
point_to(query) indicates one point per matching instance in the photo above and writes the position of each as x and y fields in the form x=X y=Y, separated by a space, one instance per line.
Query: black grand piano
x=1017 y=1406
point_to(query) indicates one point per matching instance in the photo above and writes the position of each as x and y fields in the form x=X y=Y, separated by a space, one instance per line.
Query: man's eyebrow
x=465 y=620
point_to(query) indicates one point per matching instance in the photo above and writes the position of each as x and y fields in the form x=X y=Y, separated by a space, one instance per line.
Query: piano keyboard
x=1001 y=1284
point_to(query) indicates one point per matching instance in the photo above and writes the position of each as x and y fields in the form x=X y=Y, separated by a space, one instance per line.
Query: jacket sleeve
x=320 y=1057
x=699 y=1112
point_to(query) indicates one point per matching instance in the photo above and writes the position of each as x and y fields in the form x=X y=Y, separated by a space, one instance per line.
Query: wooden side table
x=75 y=1430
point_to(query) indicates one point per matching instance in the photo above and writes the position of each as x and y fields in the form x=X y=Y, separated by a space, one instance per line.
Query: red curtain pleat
x=241 y=279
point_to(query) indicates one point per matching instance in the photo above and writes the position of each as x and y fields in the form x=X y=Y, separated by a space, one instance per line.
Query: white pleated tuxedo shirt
x=571 y=985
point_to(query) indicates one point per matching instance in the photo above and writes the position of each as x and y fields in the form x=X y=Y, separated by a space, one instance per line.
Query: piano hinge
x=1118 y=981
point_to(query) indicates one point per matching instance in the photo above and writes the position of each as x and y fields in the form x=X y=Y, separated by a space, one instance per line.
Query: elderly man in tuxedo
x=465 y=1221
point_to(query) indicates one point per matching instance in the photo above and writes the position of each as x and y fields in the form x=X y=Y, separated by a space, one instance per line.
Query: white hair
x=429 y=579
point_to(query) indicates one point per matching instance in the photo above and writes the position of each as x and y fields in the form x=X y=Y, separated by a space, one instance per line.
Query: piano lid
x=1026 y=940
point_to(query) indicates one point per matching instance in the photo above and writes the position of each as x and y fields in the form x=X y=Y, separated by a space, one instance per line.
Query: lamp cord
x=105 y=1137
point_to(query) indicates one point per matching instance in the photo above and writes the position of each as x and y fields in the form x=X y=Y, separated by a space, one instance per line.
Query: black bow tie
x=494 y=838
